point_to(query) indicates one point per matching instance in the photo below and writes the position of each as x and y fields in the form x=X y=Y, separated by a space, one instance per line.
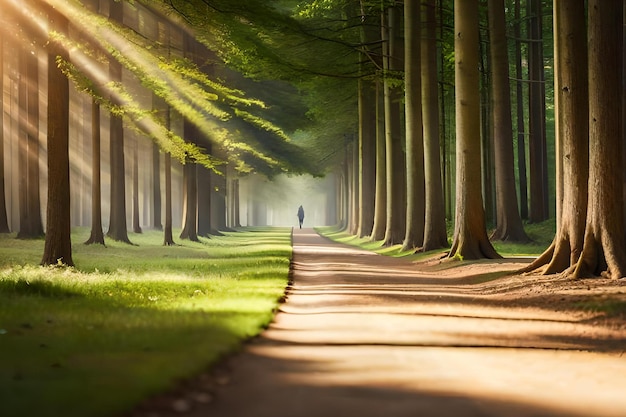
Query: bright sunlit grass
x=128 y=321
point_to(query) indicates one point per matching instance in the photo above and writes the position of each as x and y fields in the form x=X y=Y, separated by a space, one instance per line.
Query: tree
x=4 y=224
x=190 y=202
x=380 y=196
x=97 y=235
x=136 y=223
x=508 y=222
x=470 y=236
x=604 y=247
x=415 y=193
x=435 y=234
x=58 y=245
x=537 y=116
x=117 y=224
x=519 y=93
x=396 y=171
x=572 y=121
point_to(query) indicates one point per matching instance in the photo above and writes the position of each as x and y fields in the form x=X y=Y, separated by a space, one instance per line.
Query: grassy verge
x=541 y=235
x=128 y=321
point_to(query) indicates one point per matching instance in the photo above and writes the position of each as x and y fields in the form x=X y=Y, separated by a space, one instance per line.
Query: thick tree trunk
x=470 y=235
x=508 y=222
x=4 y=223
x=97 y=235
x=572 y=121
x=58 y=245
x=604 y=247
x=396 y=162
x=204 y=202
x=415 y=207
x=435 y=234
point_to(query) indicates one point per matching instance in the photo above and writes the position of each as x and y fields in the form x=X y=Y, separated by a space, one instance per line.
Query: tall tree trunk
x=604 y=247
x=136 y=222
x=22 y=141
x=415 y=207
x=168 y=239
x=156 y=187
x=355 y=186
x=396 y=162
x=367 y=125
x=97 y=235
x=508 y=222
x=190 y=202
x=470 y=235
x=538 y=154
x=34 y=202
x=572 y=121
x=435 y=234
x=237 y=199
x=521 y=136
x=4 y=223
x=380 y=205
x=205 y=227
x=117 y=224
x=58 y=245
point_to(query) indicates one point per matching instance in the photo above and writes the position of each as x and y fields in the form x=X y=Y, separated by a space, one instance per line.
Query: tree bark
x=415 y=193
x=58 y=245
x=97 y=235
x=604 y=247
x=508 y=222
x=539 y=206
x=396 y=162
x=117 y=224
x=521 y=136
x=168 y=239
x=380 y=205
x=435 y=234
x=190 y=202
x=572 y=121
x=205 y=227
x=470 y=235
x=136 y=221
x=4 y=223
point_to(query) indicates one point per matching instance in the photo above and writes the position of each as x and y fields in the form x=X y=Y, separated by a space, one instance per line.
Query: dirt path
x=365 y=335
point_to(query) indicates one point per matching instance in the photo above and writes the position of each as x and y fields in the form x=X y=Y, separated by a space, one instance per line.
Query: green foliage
x=129 y=321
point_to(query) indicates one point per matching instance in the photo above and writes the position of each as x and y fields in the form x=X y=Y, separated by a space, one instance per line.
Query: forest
x=153 y=155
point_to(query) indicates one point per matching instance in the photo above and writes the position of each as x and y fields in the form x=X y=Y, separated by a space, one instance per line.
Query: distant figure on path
x=301 y=215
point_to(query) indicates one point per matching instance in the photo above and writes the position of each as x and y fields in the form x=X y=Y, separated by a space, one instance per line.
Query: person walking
x=300 y=216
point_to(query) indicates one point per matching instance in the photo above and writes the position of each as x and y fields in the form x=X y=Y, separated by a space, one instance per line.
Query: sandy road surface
x=365 y=335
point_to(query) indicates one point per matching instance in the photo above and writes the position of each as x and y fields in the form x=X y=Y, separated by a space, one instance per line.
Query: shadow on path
x=366 y=335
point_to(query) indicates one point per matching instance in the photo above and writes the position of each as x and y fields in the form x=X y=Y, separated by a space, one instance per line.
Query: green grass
x=128 y=321
x=541 y=235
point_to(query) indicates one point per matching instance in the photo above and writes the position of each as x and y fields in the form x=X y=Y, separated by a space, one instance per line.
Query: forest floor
x=362 y=334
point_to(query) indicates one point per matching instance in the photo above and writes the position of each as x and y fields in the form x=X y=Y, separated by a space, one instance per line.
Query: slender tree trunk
x=22 y=141
x=508 y=222
x=156 y=187
x=237 y=199
x=470 y=235
x=367 y=126
x=136 y=222
x=168 y=239
x=4 y=223
x=34 y=200
x=58 y=245
x=521 y=135
x=435 y=234
x=604 y=247
x=117 y=224
x=204 y=202
x=415 y=207
x=538 y=153
x=190 y=202
x=97 y=235
x=380 y=206
x=396 y=162
x=355 y=185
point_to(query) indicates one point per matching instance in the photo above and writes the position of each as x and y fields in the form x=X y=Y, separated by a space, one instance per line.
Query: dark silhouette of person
x=301 y=215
